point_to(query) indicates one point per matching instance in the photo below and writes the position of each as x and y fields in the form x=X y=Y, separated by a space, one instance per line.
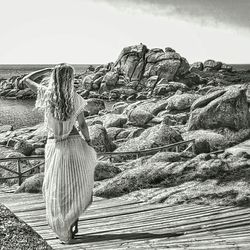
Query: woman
x=69 y=159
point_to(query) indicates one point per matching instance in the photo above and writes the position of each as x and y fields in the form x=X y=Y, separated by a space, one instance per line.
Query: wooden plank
x=122 y=224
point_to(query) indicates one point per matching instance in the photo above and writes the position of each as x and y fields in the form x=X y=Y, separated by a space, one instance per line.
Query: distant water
x=19 y=113
x=241 y=66
x=8 y=70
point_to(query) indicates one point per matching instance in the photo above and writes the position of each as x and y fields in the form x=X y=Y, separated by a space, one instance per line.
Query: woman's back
x=59 y=129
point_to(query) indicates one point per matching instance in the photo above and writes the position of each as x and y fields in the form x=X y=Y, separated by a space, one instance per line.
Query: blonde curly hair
x=60 y=95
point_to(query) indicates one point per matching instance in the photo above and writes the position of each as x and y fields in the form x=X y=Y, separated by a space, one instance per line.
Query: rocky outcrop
x=100 y=139
x=227 y=110
x=139 y=117
x=205 y=179
x=131 y=61
x=204 y=100
x=168 y=65
x=181 y=102
x=156 y=136
x=196 y=66
x=133 y=69
x=213 y=65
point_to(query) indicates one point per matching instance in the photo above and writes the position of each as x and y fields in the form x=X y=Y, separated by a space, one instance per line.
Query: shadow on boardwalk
x=85 y=238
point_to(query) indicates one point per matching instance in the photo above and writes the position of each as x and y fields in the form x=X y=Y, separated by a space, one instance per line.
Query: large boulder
x=181 y=102
x=114 y=120
x=100 y=139
x=109 y=120
x=204 y=100
x=156 y=136
x=24 y=147
x=5 y=128
x=168 y=64
x=105 y=170
x=196 y=66
x=151 y=82
x=131 y=61
x=32 y=184
x=110 y=79
x=137 y=63
x=139 y=116
x=87 y=82
x=228 y=110
x=229 y=174
x=113 y=132
x=211 y=64
x=94 y=105
x=151 y=106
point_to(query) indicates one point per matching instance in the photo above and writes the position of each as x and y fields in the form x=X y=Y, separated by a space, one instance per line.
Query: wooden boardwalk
x=130 y=224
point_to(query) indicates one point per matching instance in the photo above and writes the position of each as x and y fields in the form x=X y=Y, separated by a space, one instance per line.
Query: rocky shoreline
x=160 y=99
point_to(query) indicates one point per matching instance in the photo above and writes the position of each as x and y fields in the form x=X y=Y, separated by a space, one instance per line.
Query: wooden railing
x=139 y=153
x=20 y=175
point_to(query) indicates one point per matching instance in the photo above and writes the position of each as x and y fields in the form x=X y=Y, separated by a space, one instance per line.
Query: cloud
x=229 y=12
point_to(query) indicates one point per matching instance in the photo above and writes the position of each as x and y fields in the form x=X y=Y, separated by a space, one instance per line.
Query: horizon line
x=105 y=63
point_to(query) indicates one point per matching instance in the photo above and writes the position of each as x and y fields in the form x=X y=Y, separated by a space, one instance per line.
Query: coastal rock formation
x=167 y=65
x=183 y=180
x=211 y=64
x=131 y=61
x=134 y=66
x=227 y=110
x=196 y=66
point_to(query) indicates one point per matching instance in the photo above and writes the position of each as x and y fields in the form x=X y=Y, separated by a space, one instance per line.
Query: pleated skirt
x=68 y=182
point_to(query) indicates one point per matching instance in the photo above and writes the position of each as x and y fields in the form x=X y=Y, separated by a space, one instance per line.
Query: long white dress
x=69 y=171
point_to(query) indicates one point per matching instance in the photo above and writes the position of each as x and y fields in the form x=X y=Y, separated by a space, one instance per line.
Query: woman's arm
x=29 y=79
x=84 y=127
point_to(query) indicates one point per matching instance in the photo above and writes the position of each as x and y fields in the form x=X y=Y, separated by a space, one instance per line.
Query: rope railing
x=20 y=175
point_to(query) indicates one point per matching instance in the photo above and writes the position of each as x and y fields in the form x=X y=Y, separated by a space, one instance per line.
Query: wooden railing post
x=19 y=172
x=193 y=149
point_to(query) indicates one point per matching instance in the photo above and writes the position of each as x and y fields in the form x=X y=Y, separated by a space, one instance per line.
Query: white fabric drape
x=68 y=182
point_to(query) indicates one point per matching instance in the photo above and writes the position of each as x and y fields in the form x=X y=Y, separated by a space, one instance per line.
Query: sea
x=21 y=113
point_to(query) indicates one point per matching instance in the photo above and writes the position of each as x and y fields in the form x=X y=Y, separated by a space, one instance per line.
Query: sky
x=95 y=31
